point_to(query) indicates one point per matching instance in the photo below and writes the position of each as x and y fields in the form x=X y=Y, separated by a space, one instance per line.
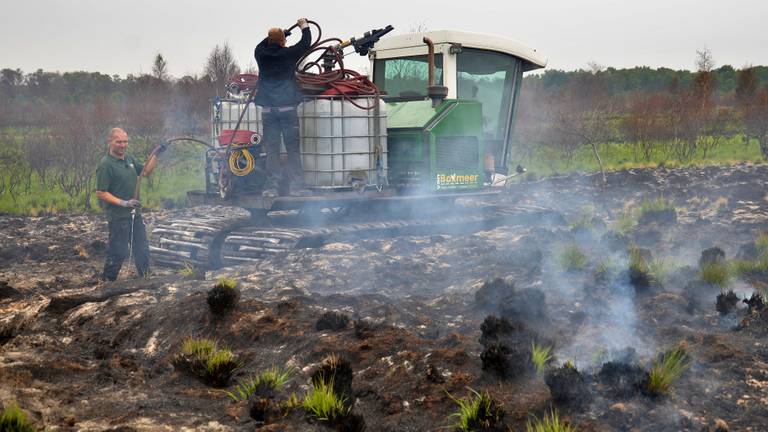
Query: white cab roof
x=532 y=59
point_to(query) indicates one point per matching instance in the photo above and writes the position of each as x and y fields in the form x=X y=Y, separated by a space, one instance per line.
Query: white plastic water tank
x=225 y=114
x=343 y=145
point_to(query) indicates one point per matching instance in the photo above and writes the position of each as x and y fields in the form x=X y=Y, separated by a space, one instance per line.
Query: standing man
x=116 y=177
x=278 y=95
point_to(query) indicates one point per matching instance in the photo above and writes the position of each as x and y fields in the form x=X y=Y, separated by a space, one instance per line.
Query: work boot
x=270 y=191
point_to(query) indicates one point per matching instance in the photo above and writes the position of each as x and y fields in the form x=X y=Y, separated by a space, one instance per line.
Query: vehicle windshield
x=406 y=77
x=492 y=79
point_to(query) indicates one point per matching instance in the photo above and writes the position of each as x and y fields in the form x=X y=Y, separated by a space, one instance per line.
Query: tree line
x=661 y=115
x=53 y=125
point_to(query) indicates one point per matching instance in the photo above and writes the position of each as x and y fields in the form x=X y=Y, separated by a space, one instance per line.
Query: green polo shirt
x=118 y=177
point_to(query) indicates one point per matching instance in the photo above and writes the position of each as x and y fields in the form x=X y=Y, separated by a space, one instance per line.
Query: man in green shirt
x=116 y=177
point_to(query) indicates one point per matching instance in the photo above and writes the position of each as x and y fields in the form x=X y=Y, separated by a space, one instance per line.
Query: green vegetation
x=205 y=359
x=540 y=356
x=637 y=263
x=549 y=423
x=187 y=271
x=716 y=274
x=666 y=370
x=226 y=282
x=13 y=419
x=761 y=244
x=659 y=204
x=476 y=412
x=273 y=378
x=572 y=258
x=323 y=404
x=625 y=222
x=546 y=161
x=659 y=270
x=198 y=347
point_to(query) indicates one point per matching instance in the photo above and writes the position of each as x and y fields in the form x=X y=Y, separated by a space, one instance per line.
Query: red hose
x=344 y=81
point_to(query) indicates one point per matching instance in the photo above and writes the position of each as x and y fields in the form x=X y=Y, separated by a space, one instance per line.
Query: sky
x=123 y=36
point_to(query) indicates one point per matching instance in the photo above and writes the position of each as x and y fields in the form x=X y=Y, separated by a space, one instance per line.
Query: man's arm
x=303 y=45
x=149 y=166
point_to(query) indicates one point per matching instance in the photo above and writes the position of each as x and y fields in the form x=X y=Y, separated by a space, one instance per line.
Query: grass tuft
x=549 y=423
x=204 y=358
x=666 y=370
x=198 y=347
x=187 y=271
x=273 y=378
x=540 y=356
x=323 y=404
x=761 y=244
x=572 y=258
x=716 y=274
x=225 y=282
x=477 y=412
x=659 y=204
x=13 y=419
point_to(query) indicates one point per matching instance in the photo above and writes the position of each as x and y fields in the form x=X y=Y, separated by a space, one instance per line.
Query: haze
x=122 y=37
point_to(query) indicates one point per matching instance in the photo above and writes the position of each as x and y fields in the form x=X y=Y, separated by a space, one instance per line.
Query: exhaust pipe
x=435 y=92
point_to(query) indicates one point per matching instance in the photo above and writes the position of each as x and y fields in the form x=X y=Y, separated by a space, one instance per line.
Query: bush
x=13 y=419
x=223 y=296
x=666 y=370
x=478 y=412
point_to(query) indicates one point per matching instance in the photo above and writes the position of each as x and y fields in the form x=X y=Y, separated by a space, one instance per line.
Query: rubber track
x=232 y=242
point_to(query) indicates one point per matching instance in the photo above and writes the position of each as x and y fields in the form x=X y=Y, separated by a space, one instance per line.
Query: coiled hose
x=344 y=81
x=235 y=158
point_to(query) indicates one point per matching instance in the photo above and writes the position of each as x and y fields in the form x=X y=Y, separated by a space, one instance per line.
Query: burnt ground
x=415 y=304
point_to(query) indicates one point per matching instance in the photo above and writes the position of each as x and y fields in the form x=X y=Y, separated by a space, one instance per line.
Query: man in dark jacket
x=278 y=95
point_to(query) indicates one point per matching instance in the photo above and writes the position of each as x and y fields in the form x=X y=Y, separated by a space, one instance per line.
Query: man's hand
x=132 y=203
x=161 y=149
x=302 y=23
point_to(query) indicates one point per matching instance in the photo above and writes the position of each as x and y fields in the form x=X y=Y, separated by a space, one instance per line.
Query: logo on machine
x=449 y=181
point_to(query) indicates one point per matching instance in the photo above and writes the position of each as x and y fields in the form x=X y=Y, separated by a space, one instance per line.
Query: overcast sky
x=123 y=36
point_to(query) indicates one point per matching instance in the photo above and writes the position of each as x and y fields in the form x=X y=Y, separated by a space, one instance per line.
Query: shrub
x=323 y=404
x=478 y=412
x=223 y=296
x=13 y=419
x=273 y=378
x=219 y=367
x=540 y=356
x=659 y=204
x=666 y=370
x=715 y=274
x=572 y=258
x=549 y=423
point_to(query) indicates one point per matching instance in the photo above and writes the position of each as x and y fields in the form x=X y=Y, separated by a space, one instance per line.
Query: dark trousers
x=285 y=123
x=117 y=249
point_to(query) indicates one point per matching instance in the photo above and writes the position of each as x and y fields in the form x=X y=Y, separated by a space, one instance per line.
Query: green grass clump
x=716 y=274
x=659 y=270
x=323 y=404
x=659 y=204
x=13 y=419
x=198 y=347
x=625 y=222
x=549 y=423
x=540 y=356
x=273 y=378
x=187 y=271
x=572 y=258
x=225 y=282
x=637 y=263
x=204 y=358
x=477 y=412
x=666 y=370
x=761 y=244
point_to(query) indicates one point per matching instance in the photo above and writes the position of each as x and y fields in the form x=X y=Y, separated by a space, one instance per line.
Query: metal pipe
x=431 y=59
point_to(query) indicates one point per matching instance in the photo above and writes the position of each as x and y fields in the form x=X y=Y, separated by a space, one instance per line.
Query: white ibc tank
x=342 y=145
x=226 y=112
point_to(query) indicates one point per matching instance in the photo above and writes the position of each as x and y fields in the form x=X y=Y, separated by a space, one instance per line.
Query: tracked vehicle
x=437 y=129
